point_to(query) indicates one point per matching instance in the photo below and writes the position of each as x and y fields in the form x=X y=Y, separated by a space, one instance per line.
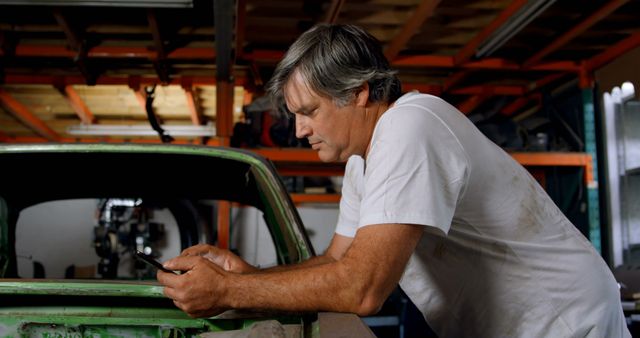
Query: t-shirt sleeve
x=416 y=171
x=348 y=217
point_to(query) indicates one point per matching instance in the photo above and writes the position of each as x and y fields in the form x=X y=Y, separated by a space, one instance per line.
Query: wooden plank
x=22 y=113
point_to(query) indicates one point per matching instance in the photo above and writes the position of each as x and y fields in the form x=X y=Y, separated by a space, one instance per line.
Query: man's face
x=331 y=130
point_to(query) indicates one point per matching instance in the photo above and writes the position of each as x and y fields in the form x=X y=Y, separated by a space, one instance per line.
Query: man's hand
x=223 y=258
x=199 y=290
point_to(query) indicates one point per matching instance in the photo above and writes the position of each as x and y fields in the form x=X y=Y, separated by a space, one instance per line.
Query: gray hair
x=335 y=61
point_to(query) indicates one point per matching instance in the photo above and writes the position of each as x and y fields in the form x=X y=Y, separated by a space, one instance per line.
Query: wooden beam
x=78 y=105
x=24 y=115
x=470 y=48
x=592 y=19
x=417 y=19
x=613 y=52
x=334 y=11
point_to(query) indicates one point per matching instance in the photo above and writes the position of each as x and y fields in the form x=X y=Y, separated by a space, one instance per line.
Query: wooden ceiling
x=62 y=66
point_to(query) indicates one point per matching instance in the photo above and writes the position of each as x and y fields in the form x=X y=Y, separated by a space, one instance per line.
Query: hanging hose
x=151 y=116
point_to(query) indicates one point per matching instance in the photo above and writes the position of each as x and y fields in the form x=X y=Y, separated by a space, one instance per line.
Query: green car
x=64 y=275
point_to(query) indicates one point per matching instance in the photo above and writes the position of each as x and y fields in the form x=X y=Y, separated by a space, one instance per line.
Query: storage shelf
x=305 y=162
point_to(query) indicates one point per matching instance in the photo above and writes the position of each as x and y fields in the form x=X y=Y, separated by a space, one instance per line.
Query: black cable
x=153 y=119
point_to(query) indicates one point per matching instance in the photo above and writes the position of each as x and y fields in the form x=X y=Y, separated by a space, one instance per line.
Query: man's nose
x=302 y=128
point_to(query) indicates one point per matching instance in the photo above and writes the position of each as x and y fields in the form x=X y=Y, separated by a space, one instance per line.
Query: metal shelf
x=305 y=162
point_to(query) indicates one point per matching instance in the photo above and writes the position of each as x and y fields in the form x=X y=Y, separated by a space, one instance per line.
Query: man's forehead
x=298 y=94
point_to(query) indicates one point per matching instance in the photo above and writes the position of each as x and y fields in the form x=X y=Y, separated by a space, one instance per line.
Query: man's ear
x=362 y=98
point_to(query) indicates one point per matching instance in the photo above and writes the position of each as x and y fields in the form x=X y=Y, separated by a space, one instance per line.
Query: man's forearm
x=313 y=261
x=317 y=285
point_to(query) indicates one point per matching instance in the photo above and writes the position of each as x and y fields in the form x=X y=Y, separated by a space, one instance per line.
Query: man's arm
x=358 y=280
x=337 y=248
x=231 y=262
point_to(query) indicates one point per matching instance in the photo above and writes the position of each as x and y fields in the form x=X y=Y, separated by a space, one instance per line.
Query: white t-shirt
x=497 y=258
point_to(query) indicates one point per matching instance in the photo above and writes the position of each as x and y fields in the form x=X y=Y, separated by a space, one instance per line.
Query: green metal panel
x=592 y=188
x=4 y=237
x=79 y=288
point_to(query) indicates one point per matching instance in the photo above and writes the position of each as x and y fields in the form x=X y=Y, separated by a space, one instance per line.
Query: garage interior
x=553 y=82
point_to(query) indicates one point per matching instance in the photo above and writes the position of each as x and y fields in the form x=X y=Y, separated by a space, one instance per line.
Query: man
x=427 y=202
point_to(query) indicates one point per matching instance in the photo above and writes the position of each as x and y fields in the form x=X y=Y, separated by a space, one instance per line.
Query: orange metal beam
x=224 y=109
x=490 y=90
x=546 y=80
x=283 y=170
x=557 y=159
x=113 y=80
x=470 y=48
x=288 y=155
x=424 y=61
x=241 y=16
x=334 y=11
x=490 y=63
x=561 y=66
x=613 y=52
x=192 y=104
x=114 y=52
x=467 y=106
x=155 y=140
x=598 y=15
x=81 y=109
x=224 y=224
x=454 y=79
x=424 y=10
x=4 y=137
x=423 y=88
x=519 y=103
x=22 y=113
x=315 y=198
x=271 y=56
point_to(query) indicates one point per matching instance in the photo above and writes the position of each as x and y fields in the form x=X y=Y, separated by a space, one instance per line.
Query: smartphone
x=151 y=261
